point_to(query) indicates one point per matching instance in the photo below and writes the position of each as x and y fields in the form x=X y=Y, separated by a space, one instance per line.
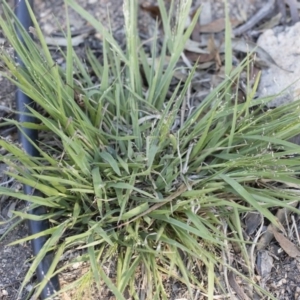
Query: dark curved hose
x=22 y=100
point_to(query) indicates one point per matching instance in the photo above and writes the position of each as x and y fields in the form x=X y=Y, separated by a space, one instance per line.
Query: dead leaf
x=196 y=33
x=180 y=75
x=65 y=296
x=153 y=10
x=281 y=216
x=288 y=247
x=194 y=11
x=211 y=47
x=212 y=55
x=218 y=25
x=264 y=263
x=233 y=283
x=11 y=209
x=252 y=221
x=194 y=46
x=32 y=30
x=205 y=65
x=201 y=58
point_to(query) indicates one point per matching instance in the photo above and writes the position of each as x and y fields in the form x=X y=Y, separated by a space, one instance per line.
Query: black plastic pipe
x=22 y=101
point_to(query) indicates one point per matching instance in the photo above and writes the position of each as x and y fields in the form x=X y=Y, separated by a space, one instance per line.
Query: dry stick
x=226 y=258
x=282 y=10
x=293 y=9
x=268 y=235
x=88 y=29
x=263 y=12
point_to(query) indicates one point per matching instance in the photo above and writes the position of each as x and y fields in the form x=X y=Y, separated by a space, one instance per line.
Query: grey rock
x=283 y=45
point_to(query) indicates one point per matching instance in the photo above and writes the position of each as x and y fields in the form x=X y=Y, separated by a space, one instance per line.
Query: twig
x=293 y=10
x=5 y=183
x=262 y=13
x=5 y=108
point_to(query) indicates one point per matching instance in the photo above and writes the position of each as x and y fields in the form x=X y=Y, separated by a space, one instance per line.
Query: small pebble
x=76 y=265
x=29 y=288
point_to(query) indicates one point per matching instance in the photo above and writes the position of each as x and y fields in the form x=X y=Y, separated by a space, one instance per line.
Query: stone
x=283 y=45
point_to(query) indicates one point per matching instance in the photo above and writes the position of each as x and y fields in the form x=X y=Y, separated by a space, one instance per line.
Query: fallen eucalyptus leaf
x=194 y=46
x=218 y=25
x=288 y=247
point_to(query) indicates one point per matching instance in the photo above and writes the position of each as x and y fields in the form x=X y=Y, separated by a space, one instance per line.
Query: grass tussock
x=129 y=171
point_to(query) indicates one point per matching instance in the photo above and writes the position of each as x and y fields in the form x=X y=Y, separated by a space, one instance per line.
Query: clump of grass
x=131 y=174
